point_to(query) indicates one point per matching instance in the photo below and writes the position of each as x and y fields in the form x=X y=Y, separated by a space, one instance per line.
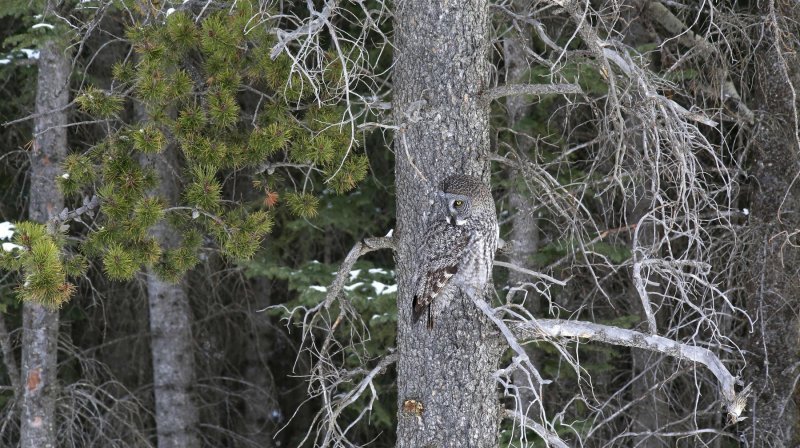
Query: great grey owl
x=459 y=245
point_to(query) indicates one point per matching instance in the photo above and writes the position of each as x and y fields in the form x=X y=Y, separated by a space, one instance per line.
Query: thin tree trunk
x=171 y=340
x=441 y=68
x=524 y=238
x=261 y=409
x=774 y=263
x=40 y=325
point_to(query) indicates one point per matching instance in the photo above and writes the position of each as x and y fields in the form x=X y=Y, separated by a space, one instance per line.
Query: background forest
x=196 y=198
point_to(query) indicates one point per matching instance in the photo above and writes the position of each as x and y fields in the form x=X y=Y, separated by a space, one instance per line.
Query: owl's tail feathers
x=417 y=309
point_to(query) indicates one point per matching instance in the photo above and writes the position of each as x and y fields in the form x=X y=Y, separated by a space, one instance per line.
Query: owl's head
x=463 y=195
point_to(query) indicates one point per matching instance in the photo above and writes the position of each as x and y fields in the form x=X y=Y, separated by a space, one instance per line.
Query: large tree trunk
x=40 y=325
x=774 y=288
x=441 y=68
x=171 y=340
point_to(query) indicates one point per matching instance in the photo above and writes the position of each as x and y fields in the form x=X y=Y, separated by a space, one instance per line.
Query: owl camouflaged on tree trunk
x=458 y=251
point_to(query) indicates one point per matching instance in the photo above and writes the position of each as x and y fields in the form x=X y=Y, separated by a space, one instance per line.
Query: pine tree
x=216 y=108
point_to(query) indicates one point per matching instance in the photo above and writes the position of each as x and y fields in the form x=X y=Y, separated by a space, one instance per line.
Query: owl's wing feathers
x=442 y=259
x=435 y=281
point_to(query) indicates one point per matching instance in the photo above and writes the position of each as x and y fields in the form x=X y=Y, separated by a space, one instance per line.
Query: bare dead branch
x=362 y=247
x=340 y=403
x=522 y=362
x=37 y=115
x=531 y=89
x=316 y=21
x=557 y=328
x=660 y=14
x=534 y=274
x=548 y=436
x=9 y=360
x=327 y=381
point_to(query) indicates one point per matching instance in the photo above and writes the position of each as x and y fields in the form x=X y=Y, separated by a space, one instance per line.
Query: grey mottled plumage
x=458 y=250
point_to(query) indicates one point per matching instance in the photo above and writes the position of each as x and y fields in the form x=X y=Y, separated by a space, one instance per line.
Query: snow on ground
x=6 y=230
x=31 y=54
x=353 y=286
x=381 y=289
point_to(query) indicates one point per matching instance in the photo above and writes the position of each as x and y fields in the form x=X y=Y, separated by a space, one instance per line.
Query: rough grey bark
x=40 y=325
x=171 y=340
x=774 y=262
x=441 y=68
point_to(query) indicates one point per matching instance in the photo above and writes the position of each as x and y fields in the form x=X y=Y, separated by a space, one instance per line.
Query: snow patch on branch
x=30 y=53
x=10 y=247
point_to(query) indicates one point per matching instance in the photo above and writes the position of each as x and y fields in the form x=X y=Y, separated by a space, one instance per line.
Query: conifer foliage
x=212 y=90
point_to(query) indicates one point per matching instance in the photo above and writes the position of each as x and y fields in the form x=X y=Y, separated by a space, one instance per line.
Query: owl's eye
x=458 y=203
